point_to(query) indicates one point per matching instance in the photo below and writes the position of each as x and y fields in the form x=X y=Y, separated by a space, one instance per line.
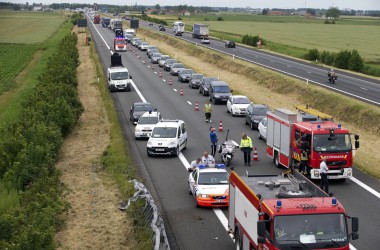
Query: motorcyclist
x=331 y=73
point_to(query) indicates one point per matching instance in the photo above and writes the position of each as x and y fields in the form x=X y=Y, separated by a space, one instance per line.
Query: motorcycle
x=227 y=150
x=332 y=79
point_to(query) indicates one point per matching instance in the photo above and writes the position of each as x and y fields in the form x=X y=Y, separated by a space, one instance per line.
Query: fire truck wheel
x=238 y=240
x=276 y=159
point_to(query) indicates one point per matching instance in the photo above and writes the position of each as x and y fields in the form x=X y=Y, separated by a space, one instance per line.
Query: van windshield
x=119 y=76
x=222 y=89
x=162 y=132
x=148 y=120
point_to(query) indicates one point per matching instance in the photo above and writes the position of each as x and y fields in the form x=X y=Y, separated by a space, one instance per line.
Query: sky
x=286 y=4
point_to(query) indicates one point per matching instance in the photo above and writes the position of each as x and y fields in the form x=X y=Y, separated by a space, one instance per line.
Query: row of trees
x=345 y=59
x=30 y=195
x=252 y=40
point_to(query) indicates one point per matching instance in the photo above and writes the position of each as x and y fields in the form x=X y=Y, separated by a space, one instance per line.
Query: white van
x=178 y=28
x=130 y=32
x=169 y=137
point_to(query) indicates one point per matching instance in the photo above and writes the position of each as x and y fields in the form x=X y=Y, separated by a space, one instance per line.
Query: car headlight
x=204 y=195
x=138 y=129
x=173 y=142
x=149 y=143
x=349 y=173
x=135 y=117
x=316 y=173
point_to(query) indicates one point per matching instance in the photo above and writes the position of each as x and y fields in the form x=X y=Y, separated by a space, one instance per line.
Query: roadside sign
x=82 y=23
x=134 y=24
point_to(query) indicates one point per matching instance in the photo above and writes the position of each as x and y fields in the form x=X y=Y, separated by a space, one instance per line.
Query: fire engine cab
x=289 y=134
x=119 y=42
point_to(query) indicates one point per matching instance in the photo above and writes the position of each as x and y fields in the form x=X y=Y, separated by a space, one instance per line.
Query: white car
x=237 y=104
x=143 y=46
x=262 y=129
x=168 y=137
x=208 y=184
x=146 y=123
x=205 y=41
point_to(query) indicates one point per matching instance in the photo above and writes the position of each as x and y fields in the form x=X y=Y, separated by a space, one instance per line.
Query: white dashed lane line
x=189 y=103
x=363 y=88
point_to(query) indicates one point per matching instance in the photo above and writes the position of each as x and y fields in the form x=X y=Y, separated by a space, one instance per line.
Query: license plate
x=220 y=201
x=144 y=134
x=224 y=100
x=159 y=149
x=333 y=177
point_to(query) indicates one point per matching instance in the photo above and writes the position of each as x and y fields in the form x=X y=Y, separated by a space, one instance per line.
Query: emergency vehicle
x=118 y=77
x=120 y=44
x=96 y=19
x=288 y=133
x=209 y=185
x=286 y=212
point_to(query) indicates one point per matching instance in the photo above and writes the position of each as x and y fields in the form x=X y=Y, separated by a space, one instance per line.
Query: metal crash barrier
x=152 y=217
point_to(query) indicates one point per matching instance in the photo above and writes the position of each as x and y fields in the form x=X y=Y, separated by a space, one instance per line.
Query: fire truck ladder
x=306 y=109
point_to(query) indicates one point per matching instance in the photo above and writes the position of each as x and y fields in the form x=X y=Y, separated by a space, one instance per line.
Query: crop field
x=13 y=59
x=28 y=27
x=348 y=33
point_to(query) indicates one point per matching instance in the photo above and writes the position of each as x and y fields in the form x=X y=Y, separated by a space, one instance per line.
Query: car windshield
x=163 y=132
x=157 y=55
x=179 y=65
x=120 y=42
x=311 y=231
x=152 y=47
x=208 y=80
x=213 y=178
x=145 y=44
x=241 y=100
x=119 y=76
x=148 y=120
x=143 y=108
x=198 y=76
x=187 y=71
x=171 y=61
x=260 y=111
x=221 y=89
x=152 y=51
x=164 y=58
x=325 y=143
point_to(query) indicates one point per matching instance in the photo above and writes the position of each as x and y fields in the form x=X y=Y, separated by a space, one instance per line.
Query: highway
x=189 y=227
x=362 y=88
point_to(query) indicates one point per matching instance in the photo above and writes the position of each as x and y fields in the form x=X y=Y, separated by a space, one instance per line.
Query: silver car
x=162 y=60
x=155 y=57
x=134 y=41
x=168 y=64
x=152 y=51
x=151 y=47
x=143 y=46
x=195 y=80
x=176 y=67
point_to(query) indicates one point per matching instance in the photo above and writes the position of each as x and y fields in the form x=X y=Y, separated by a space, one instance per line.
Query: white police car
x=168 y=137
x=209 y=185
x=146 y=123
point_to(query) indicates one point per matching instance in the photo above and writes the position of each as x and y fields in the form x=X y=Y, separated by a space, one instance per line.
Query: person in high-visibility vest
x=246 y=147
x=208 y=110
x=304 y=162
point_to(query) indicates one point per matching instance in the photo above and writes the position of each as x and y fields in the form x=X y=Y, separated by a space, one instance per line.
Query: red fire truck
x=288 y=133
x=277 y=212
x=119 y=44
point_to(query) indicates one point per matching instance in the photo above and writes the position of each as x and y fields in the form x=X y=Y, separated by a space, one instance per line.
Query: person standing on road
x=323 y=170
x=213 y=140
x=246 y=147
x=207 y=159
x=208 y=110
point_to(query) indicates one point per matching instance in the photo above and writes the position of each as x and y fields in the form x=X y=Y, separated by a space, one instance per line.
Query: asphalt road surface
x=189 y=227
x=363 y=88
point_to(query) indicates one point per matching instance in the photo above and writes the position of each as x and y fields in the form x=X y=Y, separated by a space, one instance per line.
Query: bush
x=355 y=63
x=312 y=55
x=252 y=40
x=220 y=19
x=206 y=19
x=179 y=18
x=341 y=59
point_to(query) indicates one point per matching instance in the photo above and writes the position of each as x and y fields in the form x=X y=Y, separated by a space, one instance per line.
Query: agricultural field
x=28 y=27
x=298 y=32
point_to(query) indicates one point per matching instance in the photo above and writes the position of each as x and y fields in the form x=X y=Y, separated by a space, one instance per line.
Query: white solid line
x=352 y=247
x=189 y=103
x=366 y=187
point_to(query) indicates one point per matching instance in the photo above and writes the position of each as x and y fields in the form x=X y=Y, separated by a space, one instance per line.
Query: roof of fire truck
x=322 y=127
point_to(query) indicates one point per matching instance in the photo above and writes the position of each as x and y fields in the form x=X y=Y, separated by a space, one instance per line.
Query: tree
x=265 y=12
x=341 y=59
x=157 y=7
x=333 y=13
x=311 y=11
x=355 y=63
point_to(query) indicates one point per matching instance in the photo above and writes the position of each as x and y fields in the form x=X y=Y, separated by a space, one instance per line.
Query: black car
x=195 y=80
x=168 y=64
x=161 y=27
x=184 y=75
x=230 y=44
x=255 y=114
x=205 y=85
x=138 y=109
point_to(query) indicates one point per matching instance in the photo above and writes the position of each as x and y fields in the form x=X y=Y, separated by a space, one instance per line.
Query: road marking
x=363 y=88
x=366 y=187
x=289 y=66
x=175 y=90
x=189 y=103
x=309 y=72
x=164 y=80
x=155 y=72
x=271 y=61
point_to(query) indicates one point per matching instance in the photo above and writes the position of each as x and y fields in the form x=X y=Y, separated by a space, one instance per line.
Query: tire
x=251 y=125
x=228 y=111
x=238 y=240
x=259 y=135
x=246 y=123
x=228 y=162
x=190 y=193
x=276 y=159
x=176 y=153
x=148 y=154
x=185 y=145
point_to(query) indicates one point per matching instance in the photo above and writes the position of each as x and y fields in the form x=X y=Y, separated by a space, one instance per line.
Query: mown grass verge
x=118 y=163
x=364 y=118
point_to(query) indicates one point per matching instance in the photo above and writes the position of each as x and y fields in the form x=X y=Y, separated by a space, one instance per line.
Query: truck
x=106 y=22
x=96 y=19
x=118 y=77
x=286 y=212
x=119 y=44
x=116 y=24
x=178 y=28
x=200 y=30
x=288 y=133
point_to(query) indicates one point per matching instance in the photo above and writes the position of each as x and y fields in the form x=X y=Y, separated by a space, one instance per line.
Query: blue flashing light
x=339 y=125
x=319 y=126
x=202 y=166
x=279 y=204
x=220 y=166
x=120 y=37
x=334 y=202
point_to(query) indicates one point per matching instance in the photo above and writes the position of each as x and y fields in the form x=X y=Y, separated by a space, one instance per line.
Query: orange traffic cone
x=196 y=106
x=160 y=73
x=181 y=92
x=255 y=157
x=144 y=62
x=152 y=67
x=220 y=126
x=170 y=81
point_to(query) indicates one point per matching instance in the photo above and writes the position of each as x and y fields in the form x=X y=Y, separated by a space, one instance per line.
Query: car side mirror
x=357 y=144
x=130 y=77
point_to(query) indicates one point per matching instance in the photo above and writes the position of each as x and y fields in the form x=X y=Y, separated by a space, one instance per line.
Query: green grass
x=28 y=27
x=10 y=109
x=13 y=59
x=289 y=32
